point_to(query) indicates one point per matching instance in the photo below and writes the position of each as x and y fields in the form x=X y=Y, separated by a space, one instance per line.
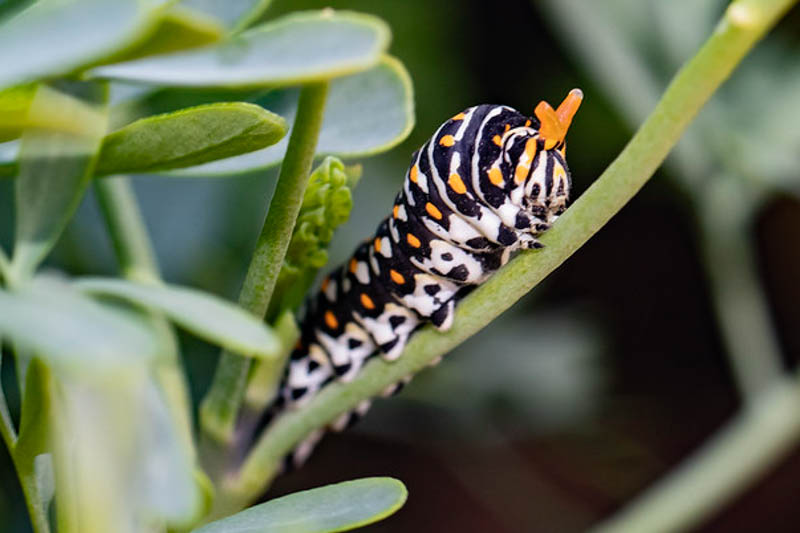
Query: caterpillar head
x=533 y=160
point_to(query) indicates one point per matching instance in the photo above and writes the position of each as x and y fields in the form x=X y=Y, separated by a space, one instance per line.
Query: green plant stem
x=137 y=261
x=221 y=405
x=738 y=454
x=728 y=205
x=127 y=229
x=743 y=24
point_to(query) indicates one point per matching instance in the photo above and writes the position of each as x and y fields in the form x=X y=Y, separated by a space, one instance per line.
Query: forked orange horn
x=554 y=124
x=567 y=109
x=550 y=127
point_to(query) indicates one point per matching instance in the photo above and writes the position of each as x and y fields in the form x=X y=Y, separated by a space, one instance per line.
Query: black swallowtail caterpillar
x=483 y=186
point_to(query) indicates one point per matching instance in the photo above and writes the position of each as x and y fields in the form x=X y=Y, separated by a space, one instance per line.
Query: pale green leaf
x=55 y=167
x=366 y=113
x=53 y=38
x=119 y=459
x=235 y=14
x=188 y=137
x=178 y=29
x=210 y=318
x=72 y=333
x=338 y=507
x=298 y=48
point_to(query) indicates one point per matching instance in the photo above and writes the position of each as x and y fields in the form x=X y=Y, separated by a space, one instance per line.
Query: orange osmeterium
x=555 y=123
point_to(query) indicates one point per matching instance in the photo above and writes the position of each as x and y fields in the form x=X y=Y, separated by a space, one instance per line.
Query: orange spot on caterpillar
x=460 y=116
x=447 y=140
x=377 y=244
x=508 y=127
x=433 y=211
x=496 y=176
x=412 y=175
x=396 y=211
x=330 y=320
x=353 y=265
x=497 y=140
x=325 y=283
x=413 y=241
x=396 y=276
x=527 y=123
x=456 y=183
x=367 y=302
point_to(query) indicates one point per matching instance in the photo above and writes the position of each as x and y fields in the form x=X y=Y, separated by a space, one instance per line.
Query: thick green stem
x=739 y=299
x=221 y=405
x=127 y=229
x=743 y=24
x=737 y=455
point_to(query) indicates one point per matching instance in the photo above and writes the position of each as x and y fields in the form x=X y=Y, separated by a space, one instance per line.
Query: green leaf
x=73 y=334
x=295 y=49
x=178 y=29
x=366 y=113
x=188 y=137
x=235 y=14
x=52 y=38
x=208 y=317
x=119 y=459
x=55 y=167
x=338 y=507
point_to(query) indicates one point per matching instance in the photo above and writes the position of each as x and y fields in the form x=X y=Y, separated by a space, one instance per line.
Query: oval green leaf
x=235 y=14
x=339 y=507
x=189 y=137
x=178 y=29
x=209 y=317
x=72 y=333
x=295 y=49
x=366 y=113
x=52 y=38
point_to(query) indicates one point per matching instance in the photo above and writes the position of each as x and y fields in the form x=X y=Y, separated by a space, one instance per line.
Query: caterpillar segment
x=486 y=184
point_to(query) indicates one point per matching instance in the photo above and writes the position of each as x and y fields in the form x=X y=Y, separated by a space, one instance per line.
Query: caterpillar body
x=482 y=187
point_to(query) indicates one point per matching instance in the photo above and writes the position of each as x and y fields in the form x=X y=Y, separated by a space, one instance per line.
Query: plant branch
x=137 y=261
x=221 y=405
x=127 y=229
x=743 y=24
x=726 y=218
x=737 y=455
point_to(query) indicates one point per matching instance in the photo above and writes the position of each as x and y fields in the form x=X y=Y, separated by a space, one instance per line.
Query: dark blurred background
x=589 y=389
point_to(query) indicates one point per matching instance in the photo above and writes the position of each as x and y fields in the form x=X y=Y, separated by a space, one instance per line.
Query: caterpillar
x=486 y=184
